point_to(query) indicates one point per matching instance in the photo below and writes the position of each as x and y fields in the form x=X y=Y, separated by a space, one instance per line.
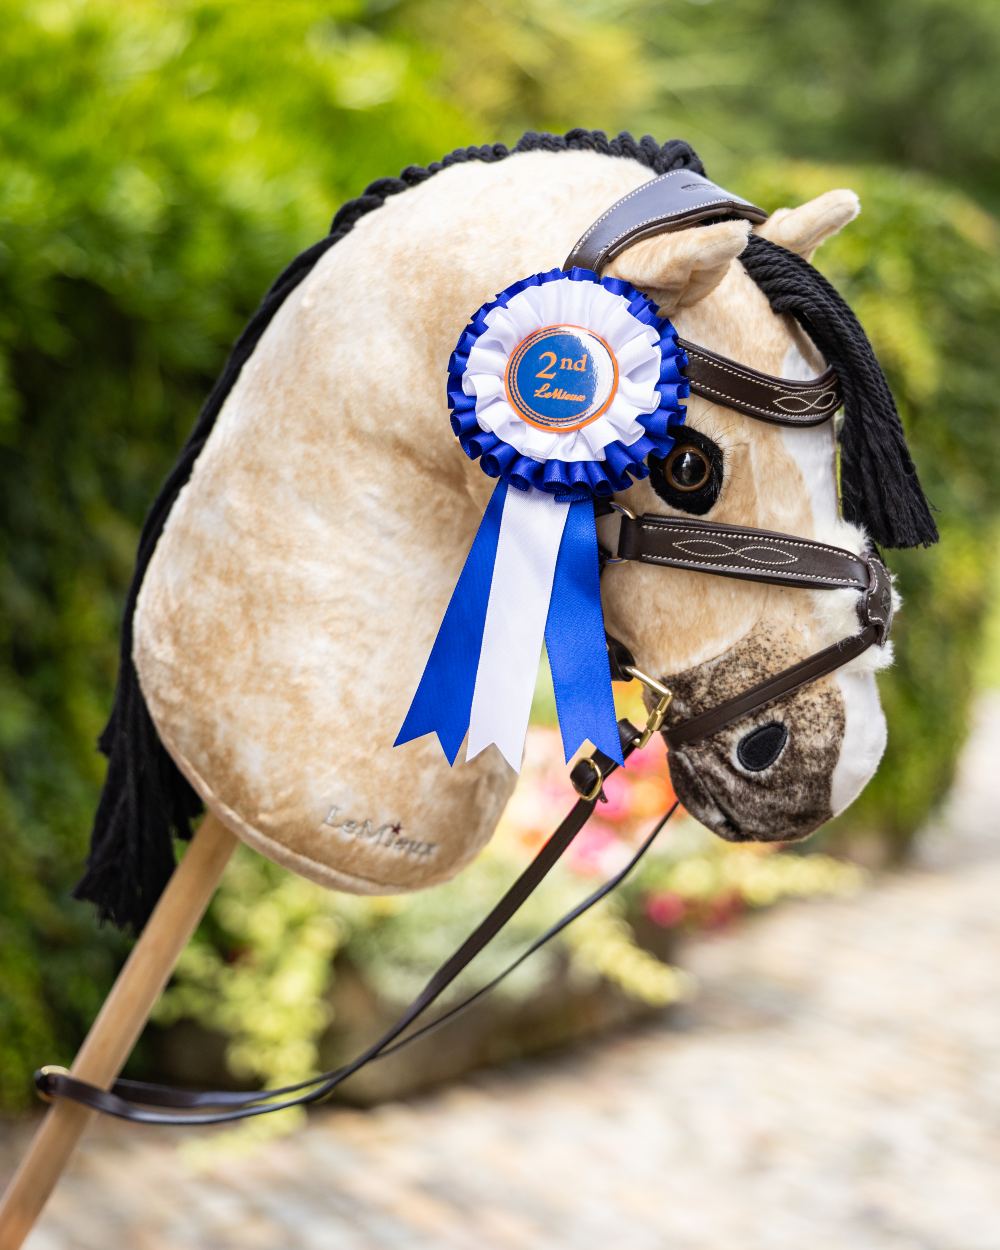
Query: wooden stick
x=119 y=1023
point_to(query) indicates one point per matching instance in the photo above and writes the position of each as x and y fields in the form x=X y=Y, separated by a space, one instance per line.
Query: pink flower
x=723 y=910
x=651 y=759
x=617 y=792
x=597 y=851
x=665 y=908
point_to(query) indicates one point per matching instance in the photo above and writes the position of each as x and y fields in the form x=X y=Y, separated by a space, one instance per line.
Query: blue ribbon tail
x=442 y=703
x=574 y=639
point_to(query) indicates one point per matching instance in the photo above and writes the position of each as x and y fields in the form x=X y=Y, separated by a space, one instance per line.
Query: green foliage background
x=160 y=164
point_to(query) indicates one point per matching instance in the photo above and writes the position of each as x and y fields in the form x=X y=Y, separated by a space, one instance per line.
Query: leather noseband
x=756 y=556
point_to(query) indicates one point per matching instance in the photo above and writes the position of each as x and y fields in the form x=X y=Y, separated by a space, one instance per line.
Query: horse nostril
x=759 y=748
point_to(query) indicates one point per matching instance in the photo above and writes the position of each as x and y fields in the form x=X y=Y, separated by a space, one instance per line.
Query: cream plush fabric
x=295 y=592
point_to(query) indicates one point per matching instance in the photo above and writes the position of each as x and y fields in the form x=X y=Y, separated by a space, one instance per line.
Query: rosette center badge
x=561 y=388
x=561 y=377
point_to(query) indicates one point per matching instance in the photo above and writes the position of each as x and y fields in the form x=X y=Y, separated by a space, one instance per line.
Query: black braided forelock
x=878 y=479
x=146 y=800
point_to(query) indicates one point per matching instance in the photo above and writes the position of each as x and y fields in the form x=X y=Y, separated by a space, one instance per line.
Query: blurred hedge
x=158 y=165
x=157 y=172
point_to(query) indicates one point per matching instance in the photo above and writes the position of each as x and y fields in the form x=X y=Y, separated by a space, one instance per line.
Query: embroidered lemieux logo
x=388 y=836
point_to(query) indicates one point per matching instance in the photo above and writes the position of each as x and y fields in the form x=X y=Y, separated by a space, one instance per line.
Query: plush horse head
x=790 y=767
x=291 y=587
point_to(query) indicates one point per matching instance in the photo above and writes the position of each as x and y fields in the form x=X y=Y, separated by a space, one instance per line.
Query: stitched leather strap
x=620 y=659
x=137 y=1101
x=736 y=551
x=761 y=556
x=673 y=201
x=781 y=401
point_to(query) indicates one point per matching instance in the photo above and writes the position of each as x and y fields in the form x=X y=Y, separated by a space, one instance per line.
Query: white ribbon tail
x=530 y=533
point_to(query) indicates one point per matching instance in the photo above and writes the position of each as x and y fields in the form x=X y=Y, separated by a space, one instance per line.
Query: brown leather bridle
x=758 y=556
x=675 y=201
x=671 y=202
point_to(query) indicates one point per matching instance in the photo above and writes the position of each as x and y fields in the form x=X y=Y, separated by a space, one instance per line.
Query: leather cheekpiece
x=875 y=605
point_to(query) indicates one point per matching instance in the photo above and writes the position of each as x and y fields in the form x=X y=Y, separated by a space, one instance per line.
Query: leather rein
x=672 y=201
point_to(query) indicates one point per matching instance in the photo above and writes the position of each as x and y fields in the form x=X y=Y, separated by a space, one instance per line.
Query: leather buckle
x=614 y=556
x=592 y=792
x=875 y=604
x=42 y=1080
x=589 y=774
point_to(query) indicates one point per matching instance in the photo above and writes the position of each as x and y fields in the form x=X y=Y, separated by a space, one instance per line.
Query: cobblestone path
x=836 y=1086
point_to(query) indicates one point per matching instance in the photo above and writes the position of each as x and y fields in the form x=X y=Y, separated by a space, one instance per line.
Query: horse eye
x=690 y=476
x=687 y=468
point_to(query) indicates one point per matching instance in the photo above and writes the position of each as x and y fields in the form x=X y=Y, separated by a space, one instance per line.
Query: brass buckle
x=664 y=698
x=49 y=1069
x=654 y=722
x=594 y=792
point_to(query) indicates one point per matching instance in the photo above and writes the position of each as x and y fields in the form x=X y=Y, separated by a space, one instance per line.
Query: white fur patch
x=812 y=447
x=814 y=453
x=835 y=611
x=864 y=738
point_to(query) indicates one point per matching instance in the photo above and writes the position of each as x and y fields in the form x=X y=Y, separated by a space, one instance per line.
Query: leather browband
x=674 y=201
x=781 y=401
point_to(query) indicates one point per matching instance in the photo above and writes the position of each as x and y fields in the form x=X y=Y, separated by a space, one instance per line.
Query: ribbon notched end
x=532 y=574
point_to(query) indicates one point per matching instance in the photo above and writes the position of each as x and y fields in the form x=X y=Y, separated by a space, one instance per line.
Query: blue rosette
x=561 y=387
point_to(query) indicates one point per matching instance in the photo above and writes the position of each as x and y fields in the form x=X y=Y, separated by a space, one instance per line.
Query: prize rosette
x=561 y=387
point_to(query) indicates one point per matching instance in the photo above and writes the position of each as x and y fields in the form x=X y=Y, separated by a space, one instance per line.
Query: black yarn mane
x=146 y=801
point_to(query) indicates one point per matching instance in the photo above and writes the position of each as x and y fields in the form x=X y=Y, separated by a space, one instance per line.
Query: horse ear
x=681 y=268
x=803 y=229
